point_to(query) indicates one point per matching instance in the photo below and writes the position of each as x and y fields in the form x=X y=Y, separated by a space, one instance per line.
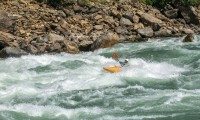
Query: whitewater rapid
x=161 y=80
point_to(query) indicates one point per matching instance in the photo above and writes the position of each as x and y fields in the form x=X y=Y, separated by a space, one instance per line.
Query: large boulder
x=106 y=40
x=149 y=19
x=125 y=22
x=189 y=38
x=146 y=32
x=55 y=38
x=11 y=52
x=163 y=32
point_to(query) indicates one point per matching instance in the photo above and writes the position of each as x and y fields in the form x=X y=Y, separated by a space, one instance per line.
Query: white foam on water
x=138 y=117
x=143 y=69
x=88 y=76
x=50 y=110
x=24 y=90
x=18 y=79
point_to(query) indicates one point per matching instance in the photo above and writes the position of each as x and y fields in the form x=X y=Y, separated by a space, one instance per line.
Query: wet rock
x=11 y=52
x=85 y=45
x=146 y=32
x=189 y=38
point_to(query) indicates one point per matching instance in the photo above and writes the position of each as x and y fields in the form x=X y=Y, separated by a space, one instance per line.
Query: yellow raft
x=113 y=69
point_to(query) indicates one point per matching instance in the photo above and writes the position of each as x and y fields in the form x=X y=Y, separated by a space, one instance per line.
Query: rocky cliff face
x=38 y=28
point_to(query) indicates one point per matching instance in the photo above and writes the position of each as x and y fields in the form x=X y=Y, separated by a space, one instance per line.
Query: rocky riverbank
x=27 y=26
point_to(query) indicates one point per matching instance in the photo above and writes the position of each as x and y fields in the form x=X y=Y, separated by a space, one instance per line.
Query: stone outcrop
x=74 y=26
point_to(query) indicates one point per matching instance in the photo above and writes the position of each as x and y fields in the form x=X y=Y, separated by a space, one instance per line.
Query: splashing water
x=161 y=81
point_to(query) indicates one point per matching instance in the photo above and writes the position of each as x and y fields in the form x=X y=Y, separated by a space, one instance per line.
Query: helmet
x=126 y=60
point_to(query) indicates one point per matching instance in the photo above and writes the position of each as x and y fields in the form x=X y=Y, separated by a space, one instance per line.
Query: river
x=160 y=82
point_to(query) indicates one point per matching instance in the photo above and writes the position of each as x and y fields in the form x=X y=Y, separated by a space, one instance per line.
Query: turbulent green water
x=161 y=82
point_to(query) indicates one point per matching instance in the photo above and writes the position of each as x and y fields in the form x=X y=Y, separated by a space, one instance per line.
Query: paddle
x=115 y=56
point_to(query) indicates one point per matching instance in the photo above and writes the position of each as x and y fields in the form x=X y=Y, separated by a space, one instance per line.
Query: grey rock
x=163 y=33
x=11 y=52
x=125 y=21
x=146 y=32
x=149 y=19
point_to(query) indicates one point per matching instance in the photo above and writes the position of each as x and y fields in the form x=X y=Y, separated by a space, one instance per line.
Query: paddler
x=115 y=56
x=123 y=63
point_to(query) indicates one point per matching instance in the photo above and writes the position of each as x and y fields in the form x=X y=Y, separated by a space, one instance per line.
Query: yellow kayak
x=113 y=69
